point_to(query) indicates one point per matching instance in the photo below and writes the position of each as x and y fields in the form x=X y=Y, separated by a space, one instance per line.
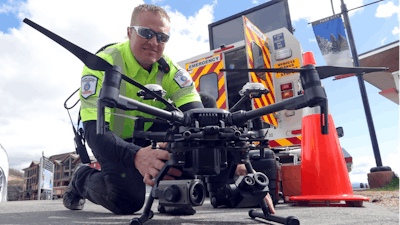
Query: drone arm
x=174 y=116
x=241 y=116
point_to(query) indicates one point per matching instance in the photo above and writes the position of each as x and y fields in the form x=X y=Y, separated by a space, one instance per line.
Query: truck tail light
x=287 y=86
x=287 y=94
x=287 y=90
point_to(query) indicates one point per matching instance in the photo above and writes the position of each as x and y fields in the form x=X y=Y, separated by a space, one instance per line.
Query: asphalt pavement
x=53 y=212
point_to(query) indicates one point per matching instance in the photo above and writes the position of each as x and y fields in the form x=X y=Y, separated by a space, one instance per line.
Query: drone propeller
x=323 y=71
x=90 y=60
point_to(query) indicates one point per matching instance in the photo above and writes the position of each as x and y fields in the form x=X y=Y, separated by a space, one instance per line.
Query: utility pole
x=364 y=96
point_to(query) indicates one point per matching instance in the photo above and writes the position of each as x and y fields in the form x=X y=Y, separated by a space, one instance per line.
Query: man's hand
x=241 y=171
x=150 y=161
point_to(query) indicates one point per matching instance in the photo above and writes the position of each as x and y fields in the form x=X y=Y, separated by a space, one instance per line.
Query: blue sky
x=31 y=63
x=324 y=30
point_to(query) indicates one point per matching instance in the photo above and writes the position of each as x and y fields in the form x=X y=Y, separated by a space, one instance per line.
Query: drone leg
x=249 y=167
x=147 y=213
x=324 y=116
x=266 y=214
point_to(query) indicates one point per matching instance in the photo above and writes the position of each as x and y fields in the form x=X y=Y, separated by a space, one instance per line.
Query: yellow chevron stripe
x=268 y=95
x=207 y=69
x=221 y=83
x=221 y=100
x=283 y=142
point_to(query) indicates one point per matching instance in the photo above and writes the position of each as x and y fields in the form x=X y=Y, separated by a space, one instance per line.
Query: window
x=209 y=84
x=258 y=59
x=236 y=80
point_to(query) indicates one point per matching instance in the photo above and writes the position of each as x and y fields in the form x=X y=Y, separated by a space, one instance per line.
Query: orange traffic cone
x=308 y=58
x=324 y=176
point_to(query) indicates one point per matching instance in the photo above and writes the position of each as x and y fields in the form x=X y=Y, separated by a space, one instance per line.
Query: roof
x=70 y=155
x=384 y=56
x=60 y=156
x=33 y=163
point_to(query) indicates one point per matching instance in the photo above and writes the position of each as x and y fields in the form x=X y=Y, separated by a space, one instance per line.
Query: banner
x=46 y=179
x=47 y=182
x=332 y=41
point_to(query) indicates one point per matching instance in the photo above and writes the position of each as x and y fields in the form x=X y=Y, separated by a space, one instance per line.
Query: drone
x=208 y=142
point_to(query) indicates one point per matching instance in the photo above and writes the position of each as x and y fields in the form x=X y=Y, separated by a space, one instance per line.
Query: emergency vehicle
x=261 y=37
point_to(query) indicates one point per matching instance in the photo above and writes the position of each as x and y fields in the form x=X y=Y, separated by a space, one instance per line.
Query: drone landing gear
x=266 y=214
x=147 y=212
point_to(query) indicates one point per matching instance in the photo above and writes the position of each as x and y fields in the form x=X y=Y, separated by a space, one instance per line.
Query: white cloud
x=189 y=33
x=255 y=2
x=313 y=10
x=312 y=40
x=363 y=164
x=396 y=31
x=361 y=167
x=38 y=75
x=386 y=10
x=155 y=2
x=383 y=41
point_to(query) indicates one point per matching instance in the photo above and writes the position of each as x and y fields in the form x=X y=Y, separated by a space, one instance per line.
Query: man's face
x=148 y=51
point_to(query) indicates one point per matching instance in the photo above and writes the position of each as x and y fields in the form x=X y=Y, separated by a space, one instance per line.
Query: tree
x=343 y=43
x=335 y=43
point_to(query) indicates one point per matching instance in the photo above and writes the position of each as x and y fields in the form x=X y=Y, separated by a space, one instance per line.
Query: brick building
x=31 y=181
x=64 y=165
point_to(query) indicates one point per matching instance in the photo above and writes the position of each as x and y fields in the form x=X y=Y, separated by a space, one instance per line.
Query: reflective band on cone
x=324 y=176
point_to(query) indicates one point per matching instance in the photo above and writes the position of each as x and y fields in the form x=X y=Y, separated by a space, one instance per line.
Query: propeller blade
x=323 y=71
x=329 y=71
x=90 y=60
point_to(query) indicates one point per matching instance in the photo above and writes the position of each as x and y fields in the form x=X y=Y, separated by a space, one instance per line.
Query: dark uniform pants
x=115 y=187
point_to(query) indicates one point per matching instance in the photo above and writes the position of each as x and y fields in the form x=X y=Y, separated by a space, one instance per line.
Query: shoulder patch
x=88 y=86
x=183 y=78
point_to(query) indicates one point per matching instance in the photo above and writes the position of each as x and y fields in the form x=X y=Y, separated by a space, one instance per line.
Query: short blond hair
x=151 y=8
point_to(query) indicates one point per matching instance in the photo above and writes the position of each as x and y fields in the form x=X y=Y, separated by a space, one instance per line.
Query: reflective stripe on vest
x=117 y=122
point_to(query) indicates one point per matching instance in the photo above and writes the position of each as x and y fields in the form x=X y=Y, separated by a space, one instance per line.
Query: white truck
x=261 y=37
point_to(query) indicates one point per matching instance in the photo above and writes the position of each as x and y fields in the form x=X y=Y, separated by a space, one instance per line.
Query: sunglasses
x=148 y=33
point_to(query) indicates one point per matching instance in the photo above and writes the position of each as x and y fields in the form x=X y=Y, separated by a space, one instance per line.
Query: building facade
x=31 y=181
x=64 y=165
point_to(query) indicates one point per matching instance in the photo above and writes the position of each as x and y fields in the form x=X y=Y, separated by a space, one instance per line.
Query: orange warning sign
x=293 y=63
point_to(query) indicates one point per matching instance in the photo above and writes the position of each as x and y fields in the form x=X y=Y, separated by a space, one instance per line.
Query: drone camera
x=261 y=180
x=253 y=184
x=181 y=192
x=247 y=182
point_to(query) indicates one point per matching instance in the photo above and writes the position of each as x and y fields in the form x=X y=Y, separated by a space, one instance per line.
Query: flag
x=332 y=41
